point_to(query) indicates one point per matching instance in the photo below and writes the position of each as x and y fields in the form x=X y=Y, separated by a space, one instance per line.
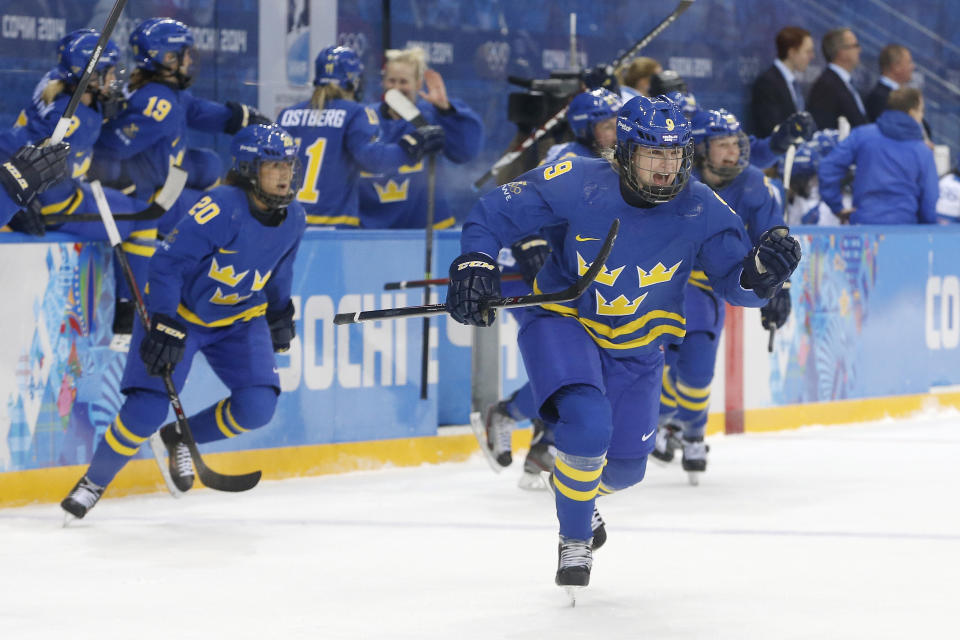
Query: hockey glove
x=601 y=76
x=775 y=314
x=530 y=254
x=243 y=115
x=163 y=345
x=32 y=170
x=795 y=129
x=282 y=328
x=424 y=140
x=29 y=220
x=771 y=262
x=474 y=279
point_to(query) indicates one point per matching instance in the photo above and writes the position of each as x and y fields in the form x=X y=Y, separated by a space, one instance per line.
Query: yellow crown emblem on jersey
x=411 y=168
x=605 y=277
x=259 y=281
x=229 y=299
x=227 y=275
x=657 y=275
x=392 y=192
x=619 y=306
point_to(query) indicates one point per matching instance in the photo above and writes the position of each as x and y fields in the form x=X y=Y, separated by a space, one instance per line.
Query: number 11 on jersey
x=314 y=153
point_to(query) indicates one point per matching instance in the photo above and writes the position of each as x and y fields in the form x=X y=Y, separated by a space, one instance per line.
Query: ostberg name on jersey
x=313 y=118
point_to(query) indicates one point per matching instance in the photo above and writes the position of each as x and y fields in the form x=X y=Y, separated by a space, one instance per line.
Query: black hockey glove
x=770 y=263
x=795 y=129
x=474 y=279
x=282 y=328
x=601 y=76
x=530 y=254
x=243 y=115
x=163 y=345
x=33 y=170
x=775 y=314
x=29 y=220
x=424 y=140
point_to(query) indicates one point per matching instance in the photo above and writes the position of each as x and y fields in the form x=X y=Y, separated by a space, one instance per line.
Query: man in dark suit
x=833 y=95
x=896 y=69
x=776 y=92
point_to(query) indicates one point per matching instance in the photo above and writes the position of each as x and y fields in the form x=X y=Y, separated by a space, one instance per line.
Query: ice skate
x=597 y=525
x=494 y=431
x=177 y=468
x=539 y=459
x=575 y=559
x=666 y=444
x=695 y=458
x=84 y=495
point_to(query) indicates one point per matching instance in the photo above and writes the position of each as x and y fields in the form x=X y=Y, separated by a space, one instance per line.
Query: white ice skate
x=695 y=459
x=494 y=433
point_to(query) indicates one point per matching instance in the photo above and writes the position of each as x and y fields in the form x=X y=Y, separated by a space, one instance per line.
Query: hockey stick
x=440 y=282
x=64 y=123
x=409 y=112
x=527 y=142
x=171 y=190
x=572 y=292
x=788 y=165
x=208 y=476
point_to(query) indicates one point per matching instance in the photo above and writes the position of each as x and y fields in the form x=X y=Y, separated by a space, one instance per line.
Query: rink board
x=875 y=332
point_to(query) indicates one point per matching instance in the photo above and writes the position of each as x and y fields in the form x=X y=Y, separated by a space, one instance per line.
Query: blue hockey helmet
x=825 y=140
x=711 y=124
x=806 y=160
x=588 y=108
x=339 y=66
x=154 y=38
x=654 y=148
x=259 y=143
x=686 y=101
x=74 y=51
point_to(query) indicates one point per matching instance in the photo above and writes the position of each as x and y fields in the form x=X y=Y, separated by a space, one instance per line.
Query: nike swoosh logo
x=647 y=436
x=580 y=238
x=227 y=251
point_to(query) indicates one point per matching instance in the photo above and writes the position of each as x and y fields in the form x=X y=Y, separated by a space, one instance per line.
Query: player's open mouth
x=661 y=179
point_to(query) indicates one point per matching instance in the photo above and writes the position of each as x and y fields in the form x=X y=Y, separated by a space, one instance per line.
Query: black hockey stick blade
x=439 y=282
x=572 y=292
x=171 y=190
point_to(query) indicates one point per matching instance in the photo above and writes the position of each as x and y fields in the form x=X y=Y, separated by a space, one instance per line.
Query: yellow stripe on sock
x=218 y=414
x=693 y=392
x=573 y=494
x=577 y=474
x=126 y=433
x=116 y=446
x=233 y=423
x=605 y=490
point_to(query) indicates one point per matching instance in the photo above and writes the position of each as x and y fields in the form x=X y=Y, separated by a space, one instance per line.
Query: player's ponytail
x=325 y=92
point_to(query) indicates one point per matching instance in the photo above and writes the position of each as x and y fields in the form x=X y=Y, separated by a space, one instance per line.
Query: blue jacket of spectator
x=896 y=179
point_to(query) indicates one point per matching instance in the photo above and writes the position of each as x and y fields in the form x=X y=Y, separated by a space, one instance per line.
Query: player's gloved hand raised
x=795 y=129
x=602 y=75
x=163 y=345
x=530 y=254
x=474 y=279
x=243 y=115
x=424 y=140
x=29 y=220
x=282 y=328
x=770 y=263
x=33 y=170
x=776 y=312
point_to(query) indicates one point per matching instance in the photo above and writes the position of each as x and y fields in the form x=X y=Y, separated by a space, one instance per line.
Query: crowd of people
x=615 y=376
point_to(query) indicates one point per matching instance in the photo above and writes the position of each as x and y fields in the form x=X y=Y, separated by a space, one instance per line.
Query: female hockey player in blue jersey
x=595 y=364
x=219 y=284
x=592 y=117
x=338 y=138
x=397 y=198
x=138 y=146
x=722 y=162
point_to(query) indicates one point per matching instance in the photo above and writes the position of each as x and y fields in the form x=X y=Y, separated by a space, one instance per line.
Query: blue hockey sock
x=141 y=415
x=576 y=480
x=247 y=408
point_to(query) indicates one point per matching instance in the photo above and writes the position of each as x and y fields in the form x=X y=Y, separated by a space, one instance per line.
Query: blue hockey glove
x=530 y=254
x=770 y=263
x=424 y=140
x=282 y=328
x=163 y=345
x=243 y=115
x=474 y=279
x=795 y=129
x=33 y=170
x=775 y=314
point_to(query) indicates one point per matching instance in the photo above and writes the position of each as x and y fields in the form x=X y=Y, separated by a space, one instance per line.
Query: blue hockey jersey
x=397 y=198
x=149 y=136
x=220 y=265
x=567 y=150
x=636 y=303
x=334 y=144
